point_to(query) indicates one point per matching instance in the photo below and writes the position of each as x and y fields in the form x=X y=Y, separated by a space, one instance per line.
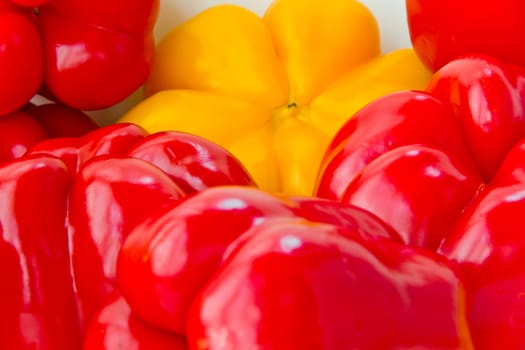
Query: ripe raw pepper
x=37 y=297
x=23 y=129
x=272 y=90
x=165 y=301
x=112 y=167
x=116 y=327
x=444 y=168
x=86 y=54
x=237 y=268
x=297 y=285
x=441 y=31
x=67 y=205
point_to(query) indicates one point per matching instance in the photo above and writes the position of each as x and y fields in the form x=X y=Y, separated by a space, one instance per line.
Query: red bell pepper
x=60 y=120
x=19 y=132
x=37 y=299
x=115 y=139
x=238 y=268
x=161 y=292
x=107 y=182
x=301 y=285
x=191 y=161
x=23 y=129
x=116 y=327
x=86 y=54
x=109 y=196
x=443 y=30
x=444 y=168
x=113 y=167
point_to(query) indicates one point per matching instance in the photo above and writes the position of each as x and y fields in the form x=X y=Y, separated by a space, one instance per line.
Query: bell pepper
x=143 y=269
x=60 y=120
x=298 y=285
x=443 y=167
x=235 y=267
x=60 y=262
x=273 y=90
x=37 y=299
x=86 y=54
x=23 y=129
x=113 y=166
x=32 y=124
x=116 y=327
x=109 y=196
x=440 y=31
x=488 y=244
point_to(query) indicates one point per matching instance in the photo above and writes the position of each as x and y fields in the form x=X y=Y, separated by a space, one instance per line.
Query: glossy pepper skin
x=37 y=299
x=261 y=88
x=488 y=244
x=192 y=162
x=21 y=72
x=75 y=151
x=95 y=189
x=116 y=327
x=441 y=31
x=121 y=175
x=86 y=54
x=464 y=201
x=439 y=176
x=110 y=195
x=161 y=289
x=299 y=285
x=235 y=267
x=23 y=129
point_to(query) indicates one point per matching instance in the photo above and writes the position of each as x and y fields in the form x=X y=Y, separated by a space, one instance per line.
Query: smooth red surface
x=301 y=285
x=487 y=97
x=489 y=244
x=112 y=183
x=110 y=195
x=443 y=30
x=87 y=54
x=21 y=59
x=472 y=216
x=168 y=258
x=192 y=162
x=397 y=119
x=353 y=218
x=19 y=132
x=37 y=298
x=116 y=327
x=121 y=176
x=121 y=15
x=30 y=3
x=92 y=67
x=114 y=139
x=60 y=120
x=420 y=191
x=23 y=130
x=512 y=169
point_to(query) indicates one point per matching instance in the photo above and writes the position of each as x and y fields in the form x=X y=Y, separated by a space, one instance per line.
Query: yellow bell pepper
x=273 y=90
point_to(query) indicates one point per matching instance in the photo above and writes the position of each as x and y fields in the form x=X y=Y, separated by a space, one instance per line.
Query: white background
x=390 y=15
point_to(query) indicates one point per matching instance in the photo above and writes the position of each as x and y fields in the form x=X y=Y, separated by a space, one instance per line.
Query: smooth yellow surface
x=318 y=40
x=225 y=49
x=273 y=90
